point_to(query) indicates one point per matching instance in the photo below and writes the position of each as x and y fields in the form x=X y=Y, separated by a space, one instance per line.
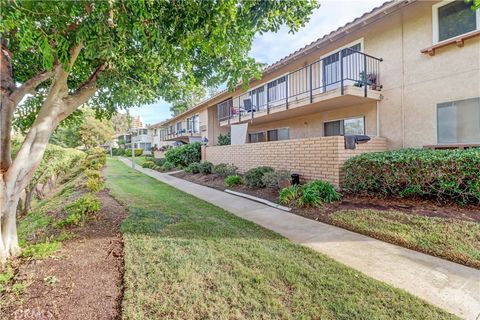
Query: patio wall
x=313 y=158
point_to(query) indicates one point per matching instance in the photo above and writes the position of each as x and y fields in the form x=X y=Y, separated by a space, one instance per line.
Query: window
x=278 y=134
x=277 y=89
x=193 y=124
x=453 y=18
x=257 y=137
x=459 y=121
x=345 y=127
x=179 y=127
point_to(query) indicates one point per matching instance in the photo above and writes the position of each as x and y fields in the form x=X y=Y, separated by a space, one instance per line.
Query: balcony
x=183 y=131
x=345 y=78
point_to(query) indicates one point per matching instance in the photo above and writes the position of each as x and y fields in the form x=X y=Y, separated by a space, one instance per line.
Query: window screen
x=347 y=127
x=459 y=121
x=257 y=137
x=455 y=19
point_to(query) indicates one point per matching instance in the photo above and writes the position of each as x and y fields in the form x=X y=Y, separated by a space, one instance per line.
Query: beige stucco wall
x=413 y=83
x=311 y=125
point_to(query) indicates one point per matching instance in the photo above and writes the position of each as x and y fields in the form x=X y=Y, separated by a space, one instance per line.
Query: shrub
x=253 y=177
x=277 y=179
x=184 y=155
x=289 y=195
x=118 y=151
x=138 y=152
x=324 y=190
x=159 y=162
x=441 y=175
x=231 y=181
x=167 y=166
x=79 y=210
x=193 y=167
x=89 y=173
x=205 y=167
x=95 y=184
x=148 y=164
x=224 y=139
x=224 y=170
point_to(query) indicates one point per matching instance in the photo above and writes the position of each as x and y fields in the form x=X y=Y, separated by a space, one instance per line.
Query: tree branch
x=20 y=92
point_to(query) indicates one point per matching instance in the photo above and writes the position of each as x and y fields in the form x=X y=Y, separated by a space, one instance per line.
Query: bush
x=205 y=167
x=231 y=181
x=224 y=139
x=148 y=164
x=138 y=152
x=92 y=173
x=184 y=155
x=118 y=151
x=159 y=162
x=167 y=166
x=289 y=195
x=193 y=168
x=95 y=184
x=224 y=170
x=253 y=177
x=79 y=210
x=276 y=179
x=441 y=175
x=314 y=193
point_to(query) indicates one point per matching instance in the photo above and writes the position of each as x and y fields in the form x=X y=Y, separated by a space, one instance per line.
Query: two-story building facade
x=406 y=74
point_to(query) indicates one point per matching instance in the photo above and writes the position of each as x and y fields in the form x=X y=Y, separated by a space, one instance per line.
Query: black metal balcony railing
x=346 y=67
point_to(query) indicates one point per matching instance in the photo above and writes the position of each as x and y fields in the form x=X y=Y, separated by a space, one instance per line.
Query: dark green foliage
x=253 y=177
x=167 y=166
x=184 y=155
x=205 y=167
x=118 y=151
x=231 y=181
x=312 y=194
x=224 y=170
x=138 y=152
x=441 y=175
x=193 y=167
x=224 y=139
x=160 y=162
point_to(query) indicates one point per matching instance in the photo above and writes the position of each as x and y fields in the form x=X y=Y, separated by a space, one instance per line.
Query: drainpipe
x=378 y=118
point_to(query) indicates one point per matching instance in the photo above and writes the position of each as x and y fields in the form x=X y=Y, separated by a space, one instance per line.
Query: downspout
x=378 y=118
x=403 y=81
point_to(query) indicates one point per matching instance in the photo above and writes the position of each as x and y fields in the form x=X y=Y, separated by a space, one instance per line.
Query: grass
x=454 y=239
x=187 y=259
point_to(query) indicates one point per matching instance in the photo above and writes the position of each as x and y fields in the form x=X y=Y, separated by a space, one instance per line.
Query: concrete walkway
x=448 y=285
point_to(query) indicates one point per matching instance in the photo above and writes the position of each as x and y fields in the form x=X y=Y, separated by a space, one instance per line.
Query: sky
x=271 y=47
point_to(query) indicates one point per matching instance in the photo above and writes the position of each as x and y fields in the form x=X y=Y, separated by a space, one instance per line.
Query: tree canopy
x=141 y=49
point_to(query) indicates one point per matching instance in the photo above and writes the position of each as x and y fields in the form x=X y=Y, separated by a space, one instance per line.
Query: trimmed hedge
x=184 y=155
x=441 y=175
x=138 y=152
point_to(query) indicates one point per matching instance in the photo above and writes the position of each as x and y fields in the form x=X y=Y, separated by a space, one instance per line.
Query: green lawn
x=187 y=259
x=454 y=239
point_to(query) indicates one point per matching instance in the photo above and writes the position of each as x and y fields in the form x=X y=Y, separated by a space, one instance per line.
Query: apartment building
x=406 y=74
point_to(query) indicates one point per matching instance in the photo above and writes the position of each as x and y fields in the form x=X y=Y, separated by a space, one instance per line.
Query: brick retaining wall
x=313 y=158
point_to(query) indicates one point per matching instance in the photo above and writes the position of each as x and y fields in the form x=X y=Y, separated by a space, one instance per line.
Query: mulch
x=410 y=206
x=83 y=280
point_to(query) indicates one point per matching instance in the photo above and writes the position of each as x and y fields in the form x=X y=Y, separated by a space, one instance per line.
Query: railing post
x=286 y=91
x=268 y=97
x=341 y=71
x=311 y=91
x=239 y=113
x=365 y=75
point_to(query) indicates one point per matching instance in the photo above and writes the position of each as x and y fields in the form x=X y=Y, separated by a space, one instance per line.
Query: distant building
x=137 y=122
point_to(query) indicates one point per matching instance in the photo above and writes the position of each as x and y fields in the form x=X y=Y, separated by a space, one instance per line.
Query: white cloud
x=271 y=47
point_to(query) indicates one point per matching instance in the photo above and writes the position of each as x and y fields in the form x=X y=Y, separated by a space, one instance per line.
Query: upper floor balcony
x=182 y=131
x=340 y=79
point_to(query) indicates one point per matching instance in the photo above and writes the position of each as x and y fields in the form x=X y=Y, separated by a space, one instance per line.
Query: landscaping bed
x=188 y=259
x=72 y=261
x=445 y=230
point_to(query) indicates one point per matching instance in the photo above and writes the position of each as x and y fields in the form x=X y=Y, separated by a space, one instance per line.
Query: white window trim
x=435 y=21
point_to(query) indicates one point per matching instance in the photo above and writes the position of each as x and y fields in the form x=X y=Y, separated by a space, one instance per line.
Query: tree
x=121 y=122
x=94 y=132
x=189 y=99
x=115 y=54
